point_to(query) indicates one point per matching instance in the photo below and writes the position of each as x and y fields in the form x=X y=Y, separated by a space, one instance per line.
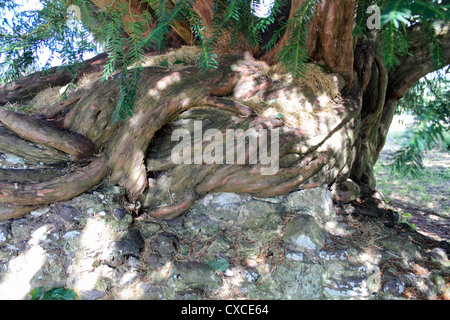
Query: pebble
x=40 y=212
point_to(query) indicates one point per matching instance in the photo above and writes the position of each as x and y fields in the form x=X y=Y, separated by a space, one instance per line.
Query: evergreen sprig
x=400 y=14
x=428 y=100
x=409 y=159
x=295 y=55
x=23 y=38
x=360 y=17
x=125 y=42
x=206 y=59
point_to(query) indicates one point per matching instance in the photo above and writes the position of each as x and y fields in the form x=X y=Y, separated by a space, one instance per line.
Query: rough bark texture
x=27 y=87
x=382 y=90
x=123 y=149
x=330 y=38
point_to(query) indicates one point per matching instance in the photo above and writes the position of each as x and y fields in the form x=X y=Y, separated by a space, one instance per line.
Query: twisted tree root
x=305 y=160
x=59 y=189
x=41 y=132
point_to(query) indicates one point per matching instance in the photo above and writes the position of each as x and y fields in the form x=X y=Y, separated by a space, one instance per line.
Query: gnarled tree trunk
x=75 y=147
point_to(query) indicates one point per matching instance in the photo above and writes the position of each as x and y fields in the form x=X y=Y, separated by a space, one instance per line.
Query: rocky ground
x=228 y=246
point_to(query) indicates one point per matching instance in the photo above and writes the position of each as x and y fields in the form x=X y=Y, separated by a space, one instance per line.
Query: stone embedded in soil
x=304 y=233
x=195 y=275
x=148 y=229
x=69 y=213
x=3 y=234
x=152 y=292
x=132 y=243
x=165 y=244
x=40 y=212
x=394 y=287
x=316 y=202
x=273 y=255
x=400 y=247
x=20 y=230
x=305 y=283
x=439 y=255
x=119 y=213
x=91 y=295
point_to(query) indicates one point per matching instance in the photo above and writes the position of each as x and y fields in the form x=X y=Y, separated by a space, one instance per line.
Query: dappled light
x=422 y=201
x=164 y=83
x=224 y=150
x=15 y=285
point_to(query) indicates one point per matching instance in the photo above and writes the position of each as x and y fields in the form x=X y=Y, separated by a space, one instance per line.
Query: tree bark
x=27 y=87
x=81 y=148
x=123 y=153
x=383 y=89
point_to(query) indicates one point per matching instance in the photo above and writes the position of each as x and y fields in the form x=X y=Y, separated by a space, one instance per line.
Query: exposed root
x=58 y=189
x=30 y=175
x=12 y=144
x=41 y=132
x=171 y=211
x=227 y=104
x=166 y=95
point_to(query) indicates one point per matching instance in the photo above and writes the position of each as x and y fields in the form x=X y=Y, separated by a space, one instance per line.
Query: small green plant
x=404 y=218
x=278 y=116
x=180 y=62
x=164 y=63
x=52 y=294
x=219 y=265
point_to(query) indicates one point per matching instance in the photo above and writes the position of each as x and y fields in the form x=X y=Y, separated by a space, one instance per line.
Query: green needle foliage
x=295 y=55
x=23 y=37
x=428 y=100
x=397 y=16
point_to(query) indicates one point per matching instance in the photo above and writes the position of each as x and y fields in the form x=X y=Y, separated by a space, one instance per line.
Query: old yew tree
x=327 y=74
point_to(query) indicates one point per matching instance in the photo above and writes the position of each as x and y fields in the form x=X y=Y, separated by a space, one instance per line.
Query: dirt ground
x=423 y=202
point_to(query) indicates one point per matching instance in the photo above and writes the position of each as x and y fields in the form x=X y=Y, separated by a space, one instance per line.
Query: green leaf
x=164 y=63
x=219 y=265
x=36 y=293
x=278 y=116
x=59 y=294
x=179 y=62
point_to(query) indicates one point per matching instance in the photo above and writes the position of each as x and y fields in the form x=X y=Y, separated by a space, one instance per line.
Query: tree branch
x=418 y=63
x=27 y=87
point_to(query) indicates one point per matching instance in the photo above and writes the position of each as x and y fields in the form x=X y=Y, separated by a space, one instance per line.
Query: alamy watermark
x=215 y=147
x=374 y=20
